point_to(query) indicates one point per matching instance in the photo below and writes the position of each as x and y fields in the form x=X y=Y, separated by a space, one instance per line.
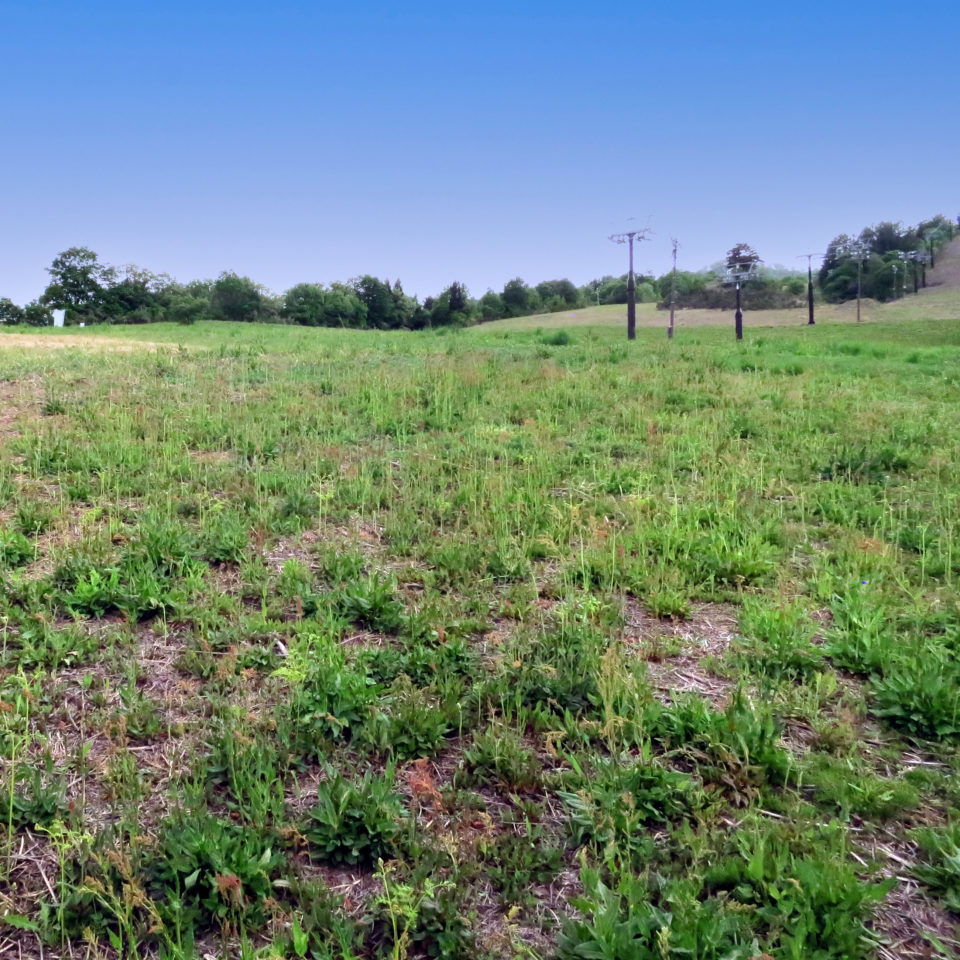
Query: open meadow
x=520 y=641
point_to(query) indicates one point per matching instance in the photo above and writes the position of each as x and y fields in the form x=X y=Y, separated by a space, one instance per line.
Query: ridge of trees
x=883 y=271
x=90 y=291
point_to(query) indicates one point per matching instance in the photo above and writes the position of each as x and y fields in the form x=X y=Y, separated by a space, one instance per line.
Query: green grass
x=487 y=643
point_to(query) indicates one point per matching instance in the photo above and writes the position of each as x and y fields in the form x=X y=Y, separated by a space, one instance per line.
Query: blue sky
x=476 y=142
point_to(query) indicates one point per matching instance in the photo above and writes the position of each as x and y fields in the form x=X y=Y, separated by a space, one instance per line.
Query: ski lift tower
x=628 y=238
x=859 y=250
x=914 y=256
x=741 y=267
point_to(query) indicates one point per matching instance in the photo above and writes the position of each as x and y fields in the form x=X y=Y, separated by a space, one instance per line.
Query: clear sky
x=441 y=141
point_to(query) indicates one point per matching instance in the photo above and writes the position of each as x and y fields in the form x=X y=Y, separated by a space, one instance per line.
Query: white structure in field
x=58 y=317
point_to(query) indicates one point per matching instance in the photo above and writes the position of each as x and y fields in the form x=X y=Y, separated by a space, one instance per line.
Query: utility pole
x=809 y=256
x=628 y=239
x=673 y=288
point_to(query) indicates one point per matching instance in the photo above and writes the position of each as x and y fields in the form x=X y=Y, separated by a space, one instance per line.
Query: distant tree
x=887 y=236
x=741 y=257
x=933 y=234
x=563 y=290
x=452 y=306
x=37 y=315
x=613 y=289
x=138 y=296
x=78 y=283
x=684 y=282
x=794 y=285
x=518 y=298
x=305 y=303
x=10 y=313
x=185 y=309
x=237 y=298
x=647 y=292
x=404 y=307
x=491 y=306
x=343 y=308
x=377 y=296
x=457 y=297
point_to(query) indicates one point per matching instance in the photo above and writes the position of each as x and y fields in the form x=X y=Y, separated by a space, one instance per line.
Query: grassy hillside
x=336 y=644
x=940 y=300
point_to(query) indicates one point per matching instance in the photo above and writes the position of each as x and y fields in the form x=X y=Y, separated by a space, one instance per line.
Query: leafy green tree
x=237 y=298
x=343 y=308
x=742 y=257
x=10 y=313
x=377 y=297
x=37 y=315
x=404 y=307
x=78 y=283
x=519 y=299
x=492 y=306
x=562 y=290
x=613 y=289
x=138 y=296
x=305 y=304
x=453 y=306
x=933 y=234
x=457 y=297
x=312 y=305
x=182 y=308
x=887 y=236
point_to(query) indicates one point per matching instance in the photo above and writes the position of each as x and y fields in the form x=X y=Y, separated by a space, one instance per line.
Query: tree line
x=892 y=259
x=90 y=291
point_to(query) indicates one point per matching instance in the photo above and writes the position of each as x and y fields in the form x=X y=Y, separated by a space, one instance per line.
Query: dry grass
x=678 y=653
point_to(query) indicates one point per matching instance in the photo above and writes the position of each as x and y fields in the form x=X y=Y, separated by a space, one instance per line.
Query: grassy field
x=498 y=643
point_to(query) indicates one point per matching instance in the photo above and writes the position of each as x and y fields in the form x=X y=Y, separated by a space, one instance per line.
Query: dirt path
x=947 y=271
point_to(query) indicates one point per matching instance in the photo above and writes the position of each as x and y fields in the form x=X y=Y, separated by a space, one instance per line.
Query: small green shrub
x=778 y=641
x=517 y=861
x=626 y=920
x=355 y=823
x=331 y=700
x=851 y=788
x=253 y=774
x=36 y=801
x=340 y=567
x=738 y=750
x=223 y=539
x=372 y=603
x=920 y=695
x=412 y=721
x=940 y=871
x=15 y=549
x=208 y=872
x=616 y=803
x=499 y=758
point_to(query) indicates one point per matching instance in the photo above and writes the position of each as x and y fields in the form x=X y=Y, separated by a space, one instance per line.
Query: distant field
x=482 y=644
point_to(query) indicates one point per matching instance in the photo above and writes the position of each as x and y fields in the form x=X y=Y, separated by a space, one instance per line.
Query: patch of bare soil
x=677 y=652
x=910 y=921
